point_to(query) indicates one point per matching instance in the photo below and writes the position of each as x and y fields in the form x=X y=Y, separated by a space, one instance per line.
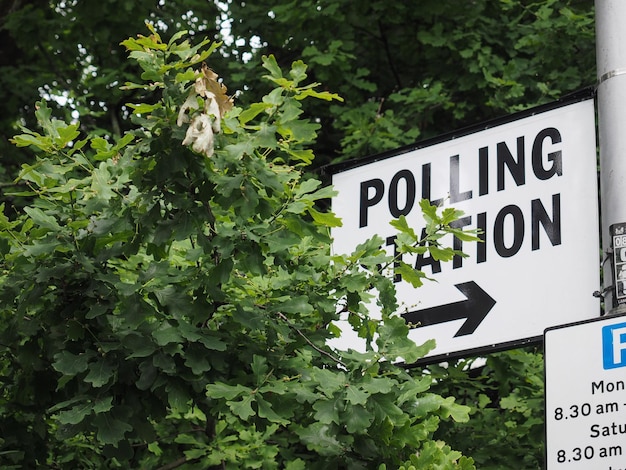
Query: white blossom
x=205 y=124
x=200 y=135
x=190 y=104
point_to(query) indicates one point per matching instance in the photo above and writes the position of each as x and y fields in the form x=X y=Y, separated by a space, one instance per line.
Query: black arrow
x=474 y=309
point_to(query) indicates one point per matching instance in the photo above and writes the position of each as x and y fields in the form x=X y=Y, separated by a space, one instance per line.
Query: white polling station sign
x=529 y=184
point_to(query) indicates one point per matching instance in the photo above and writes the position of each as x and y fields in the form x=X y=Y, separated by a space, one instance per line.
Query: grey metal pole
x=611 y=100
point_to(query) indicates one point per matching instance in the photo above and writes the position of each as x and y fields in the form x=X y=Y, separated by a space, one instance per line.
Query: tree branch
x=309 y=342
x=176 y=464
x=383 y=38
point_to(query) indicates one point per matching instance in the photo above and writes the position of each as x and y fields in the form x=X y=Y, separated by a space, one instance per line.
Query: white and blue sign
x=585 y=371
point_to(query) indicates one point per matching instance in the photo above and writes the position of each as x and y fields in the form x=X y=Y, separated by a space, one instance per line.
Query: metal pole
x=611 y=100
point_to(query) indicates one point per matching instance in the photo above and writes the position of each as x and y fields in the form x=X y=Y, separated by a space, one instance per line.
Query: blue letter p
x=614 y=346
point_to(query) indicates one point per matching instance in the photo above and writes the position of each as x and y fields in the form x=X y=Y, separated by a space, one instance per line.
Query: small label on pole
x=618 y=237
